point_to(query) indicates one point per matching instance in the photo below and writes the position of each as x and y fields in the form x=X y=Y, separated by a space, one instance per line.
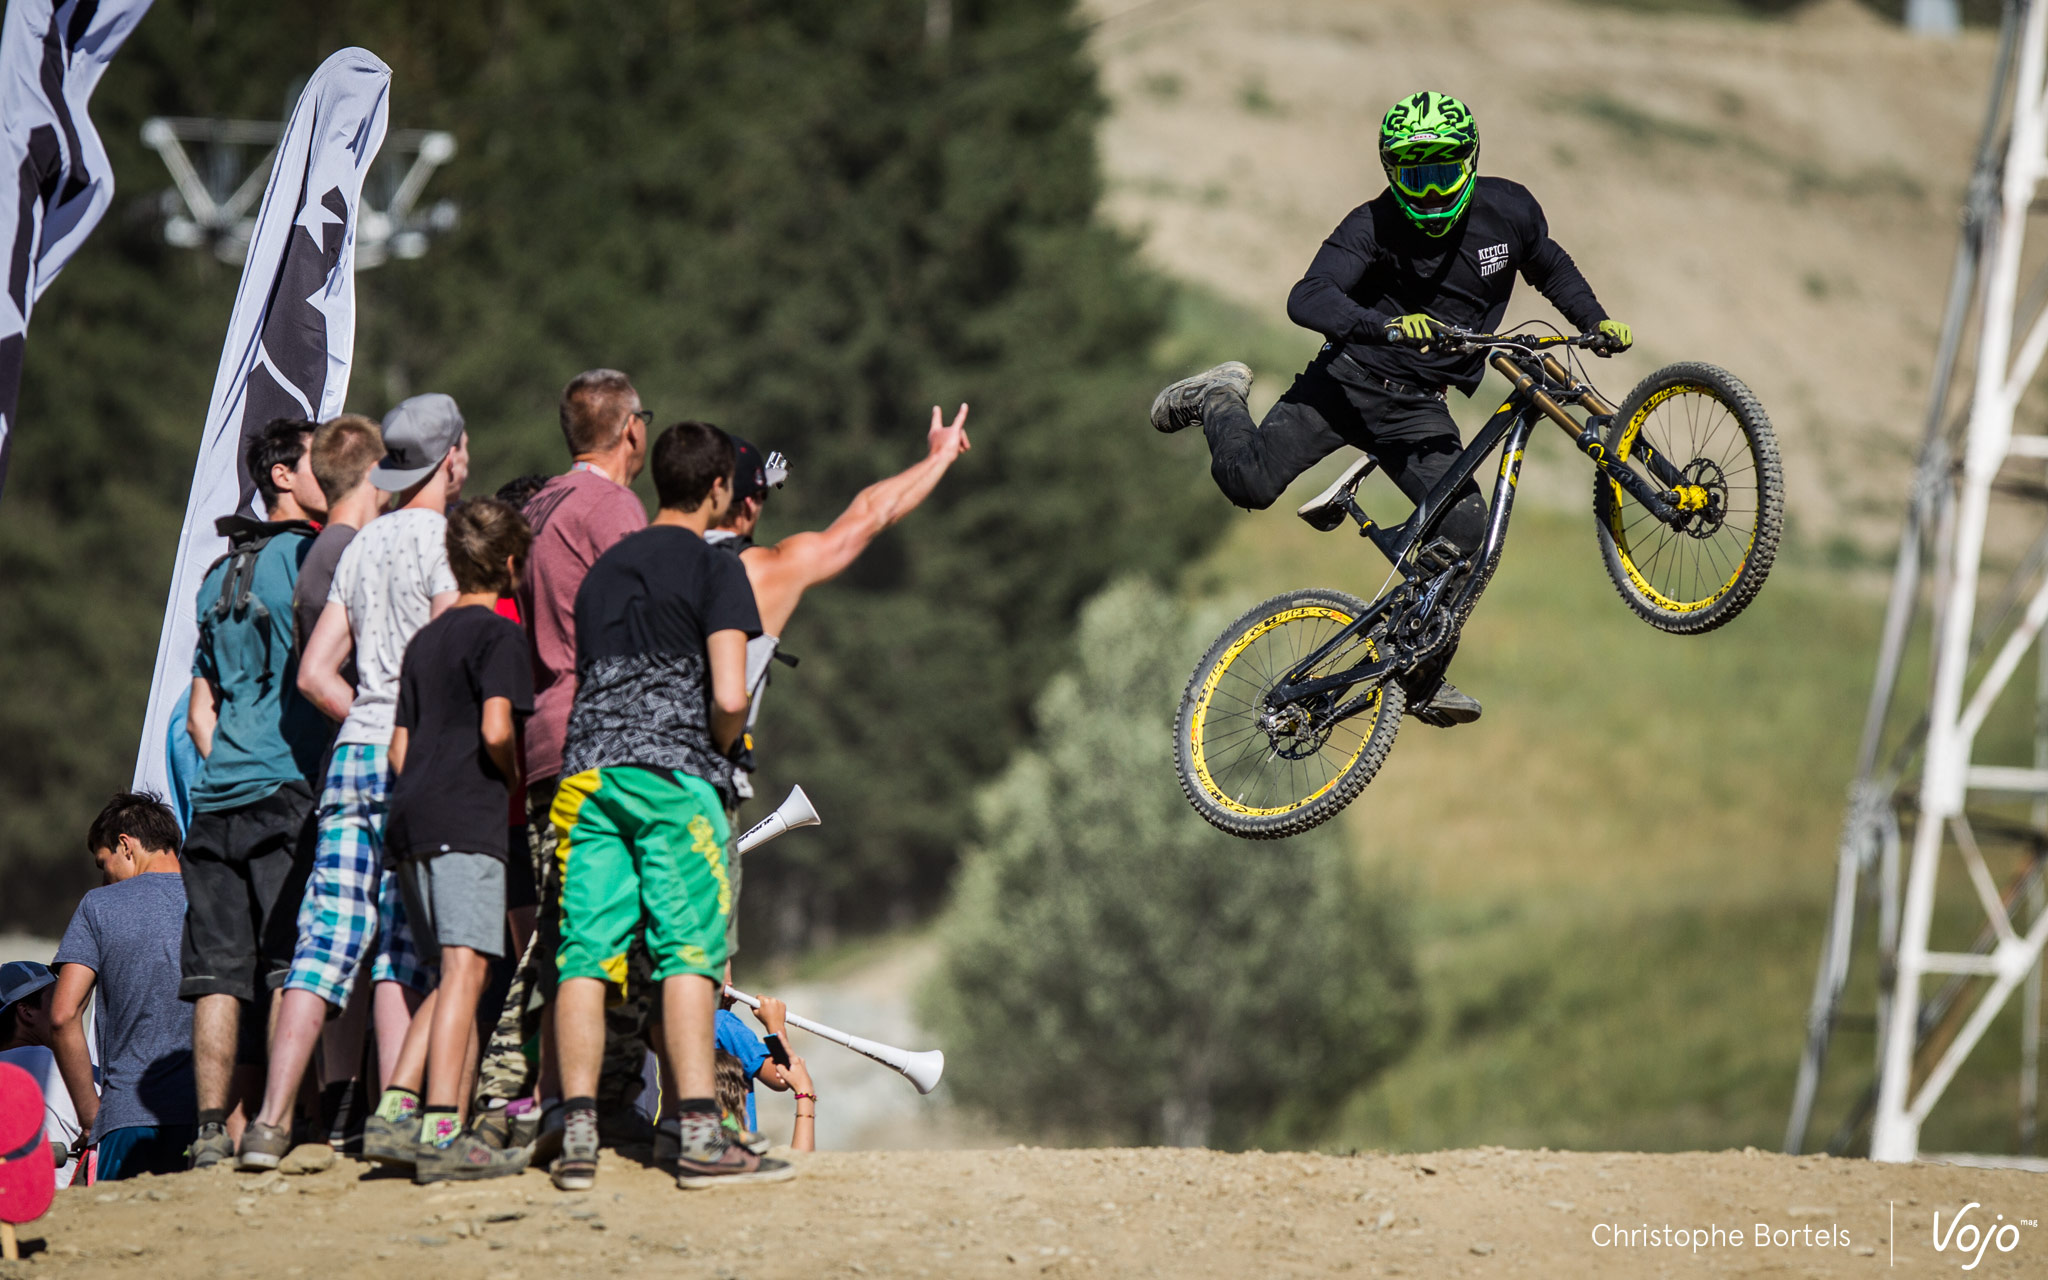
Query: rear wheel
x=1262 y=772
x=1698 y=430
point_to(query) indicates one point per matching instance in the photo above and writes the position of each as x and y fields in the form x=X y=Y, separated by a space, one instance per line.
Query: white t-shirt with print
x=387 y=580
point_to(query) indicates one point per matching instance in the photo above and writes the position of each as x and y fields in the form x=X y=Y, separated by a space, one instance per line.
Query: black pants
x=1333 y=403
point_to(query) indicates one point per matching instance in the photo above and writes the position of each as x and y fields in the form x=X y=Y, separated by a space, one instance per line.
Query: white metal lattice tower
x=1934 y=794
x=214 y=203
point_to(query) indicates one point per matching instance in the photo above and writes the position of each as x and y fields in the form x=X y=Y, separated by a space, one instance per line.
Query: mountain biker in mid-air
x=1441 y=245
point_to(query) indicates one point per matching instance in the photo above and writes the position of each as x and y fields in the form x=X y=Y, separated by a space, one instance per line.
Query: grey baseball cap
x=20 y=979
x=418 y=433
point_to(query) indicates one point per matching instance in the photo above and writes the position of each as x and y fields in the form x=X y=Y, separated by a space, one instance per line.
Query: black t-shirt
x=1378 y=265
x=451 y=798
x=643 y=678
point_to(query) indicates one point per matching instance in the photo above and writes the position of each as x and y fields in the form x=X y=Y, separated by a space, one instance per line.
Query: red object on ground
x=28 y=1176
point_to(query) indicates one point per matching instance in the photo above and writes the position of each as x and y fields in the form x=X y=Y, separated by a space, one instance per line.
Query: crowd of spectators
x=453 y=779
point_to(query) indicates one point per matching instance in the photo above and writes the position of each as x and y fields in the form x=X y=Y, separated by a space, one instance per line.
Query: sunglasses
x=646 y=416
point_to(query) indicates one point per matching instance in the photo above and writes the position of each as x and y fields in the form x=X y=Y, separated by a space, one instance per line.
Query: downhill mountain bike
x=1292 y=710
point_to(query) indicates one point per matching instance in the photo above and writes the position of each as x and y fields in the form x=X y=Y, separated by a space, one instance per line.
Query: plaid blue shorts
x=351 y=898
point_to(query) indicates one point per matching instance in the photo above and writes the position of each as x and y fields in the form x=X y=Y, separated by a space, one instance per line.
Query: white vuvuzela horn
x=793 y=812
x=921 y=1069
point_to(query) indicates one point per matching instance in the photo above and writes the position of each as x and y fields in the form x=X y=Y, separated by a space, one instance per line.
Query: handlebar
x=1458 y=341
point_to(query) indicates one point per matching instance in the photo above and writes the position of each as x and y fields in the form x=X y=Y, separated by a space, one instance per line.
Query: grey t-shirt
x=129 y=934
x=316 y=575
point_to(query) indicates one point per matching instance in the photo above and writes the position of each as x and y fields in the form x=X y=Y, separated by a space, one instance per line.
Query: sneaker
x=500 y=1127
x=725 y=1162
x=393 y=1142
x=1180 y=405
x=576 y=1168
x=465 y=1159
x=264 y=1146
x=668 y=1140
x=1448 y=706
x=1326 y=510
x=212 y=1146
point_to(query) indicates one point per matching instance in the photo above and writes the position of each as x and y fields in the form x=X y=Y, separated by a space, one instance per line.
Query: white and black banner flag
x=290 y=341
x=51 y=59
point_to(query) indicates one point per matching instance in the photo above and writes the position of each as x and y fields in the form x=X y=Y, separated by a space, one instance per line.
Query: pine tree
x=1114 y=968
x=805 y=221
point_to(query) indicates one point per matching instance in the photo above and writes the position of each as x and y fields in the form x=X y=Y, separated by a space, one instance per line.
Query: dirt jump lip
x=1016 y=1211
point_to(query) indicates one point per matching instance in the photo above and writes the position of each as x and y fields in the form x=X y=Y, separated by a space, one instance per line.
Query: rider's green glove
x=1415 y=326
x=1615 y=329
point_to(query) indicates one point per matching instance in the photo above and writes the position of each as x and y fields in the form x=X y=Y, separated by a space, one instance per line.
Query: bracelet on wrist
x=812 y=1096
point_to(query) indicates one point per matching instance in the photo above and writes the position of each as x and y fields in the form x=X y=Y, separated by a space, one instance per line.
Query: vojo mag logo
x=1969 y=1238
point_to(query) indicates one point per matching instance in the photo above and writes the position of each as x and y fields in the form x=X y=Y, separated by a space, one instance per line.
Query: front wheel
x=1263 y=772
x=1697 y=430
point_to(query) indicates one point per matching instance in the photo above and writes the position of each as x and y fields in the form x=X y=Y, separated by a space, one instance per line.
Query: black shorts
x=245 y=871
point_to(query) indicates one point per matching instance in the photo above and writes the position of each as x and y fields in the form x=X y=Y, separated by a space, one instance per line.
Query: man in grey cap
x=391 y=581
x=25 y=1042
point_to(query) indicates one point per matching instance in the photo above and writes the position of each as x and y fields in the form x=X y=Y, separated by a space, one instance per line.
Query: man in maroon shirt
x=576 y=517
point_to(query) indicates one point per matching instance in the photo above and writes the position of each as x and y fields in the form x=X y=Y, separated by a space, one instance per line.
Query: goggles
x=1420 y=180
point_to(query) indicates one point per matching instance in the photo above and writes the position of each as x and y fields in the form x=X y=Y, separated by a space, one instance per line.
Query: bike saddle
x=1327 y=509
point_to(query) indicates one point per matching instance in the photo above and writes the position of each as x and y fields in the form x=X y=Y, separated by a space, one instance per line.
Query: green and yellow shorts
x=635 y=845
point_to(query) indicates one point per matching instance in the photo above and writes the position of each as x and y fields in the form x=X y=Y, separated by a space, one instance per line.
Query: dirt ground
x=1031 y=1211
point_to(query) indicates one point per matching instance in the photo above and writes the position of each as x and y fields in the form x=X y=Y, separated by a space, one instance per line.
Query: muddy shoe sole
x=766 y=1171
x=1180 y=405
x=1447 y=707
x=454 y=1166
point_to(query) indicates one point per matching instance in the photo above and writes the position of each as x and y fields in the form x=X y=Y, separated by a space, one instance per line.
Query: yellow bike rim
x=1198 y=722
x=1675 y=571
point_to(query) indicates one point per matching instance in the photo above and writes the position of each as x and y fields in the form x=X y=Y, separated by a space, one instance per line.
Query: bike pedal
x=1438 y=556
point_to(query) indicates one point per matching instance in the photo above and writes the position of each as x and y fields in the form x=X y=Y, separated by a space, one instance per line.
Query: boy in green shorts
x=662 y=624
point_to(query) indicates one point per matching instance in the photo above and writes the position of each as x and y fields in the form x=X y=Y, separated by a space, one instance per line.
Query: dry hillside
x=1776 y=197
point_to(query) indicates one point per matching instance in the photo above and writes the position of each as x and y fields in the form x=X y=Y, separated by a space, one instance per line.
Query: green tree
x=1115 y=967
x=797 y=219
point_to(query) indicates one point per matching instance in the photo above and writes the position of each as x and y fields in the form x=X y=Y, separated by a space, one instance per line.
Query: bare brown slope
x=1030 y=1212
x=1776 y=197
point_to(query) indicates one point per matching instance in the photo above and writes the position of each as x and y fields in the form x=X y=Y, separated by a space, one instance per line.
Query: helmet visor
x=1429 y=185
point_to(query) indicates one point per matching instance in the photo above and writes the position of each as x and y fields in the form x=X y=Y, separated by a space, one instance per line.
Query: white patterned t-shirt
x=387 y=580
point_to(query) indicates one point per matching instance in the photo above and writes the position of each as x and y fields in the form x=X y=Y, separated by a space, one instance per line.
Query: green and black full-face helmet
x=1429 y=146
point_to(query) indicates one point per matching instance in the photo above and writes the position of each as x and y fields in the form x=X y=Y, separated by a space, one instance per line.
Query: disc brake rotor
x=1703 y=498
x=1293 y=731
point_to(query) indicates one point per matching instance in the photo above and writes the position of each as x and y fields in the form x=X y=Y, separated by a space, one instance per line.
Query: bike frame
x=1541 y=387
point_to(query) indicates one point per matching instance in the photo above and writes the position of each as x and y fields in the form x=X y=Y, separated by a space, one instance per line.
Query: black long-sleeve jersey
x=1377 y=265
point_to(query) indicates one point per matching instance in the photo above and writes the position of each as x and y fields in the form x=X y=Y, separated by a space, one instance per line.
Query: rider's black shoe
x=1448 y=706
x=1326 y=510
x=1180 y=405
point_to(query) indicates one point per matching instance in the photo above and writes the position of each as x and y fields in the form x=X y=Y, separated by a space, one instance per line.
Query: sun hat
x=28 y=1175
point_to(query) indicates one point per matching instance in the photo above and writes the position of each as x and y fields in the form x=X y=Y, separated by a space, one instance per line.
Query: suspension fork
x=1662 y=504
